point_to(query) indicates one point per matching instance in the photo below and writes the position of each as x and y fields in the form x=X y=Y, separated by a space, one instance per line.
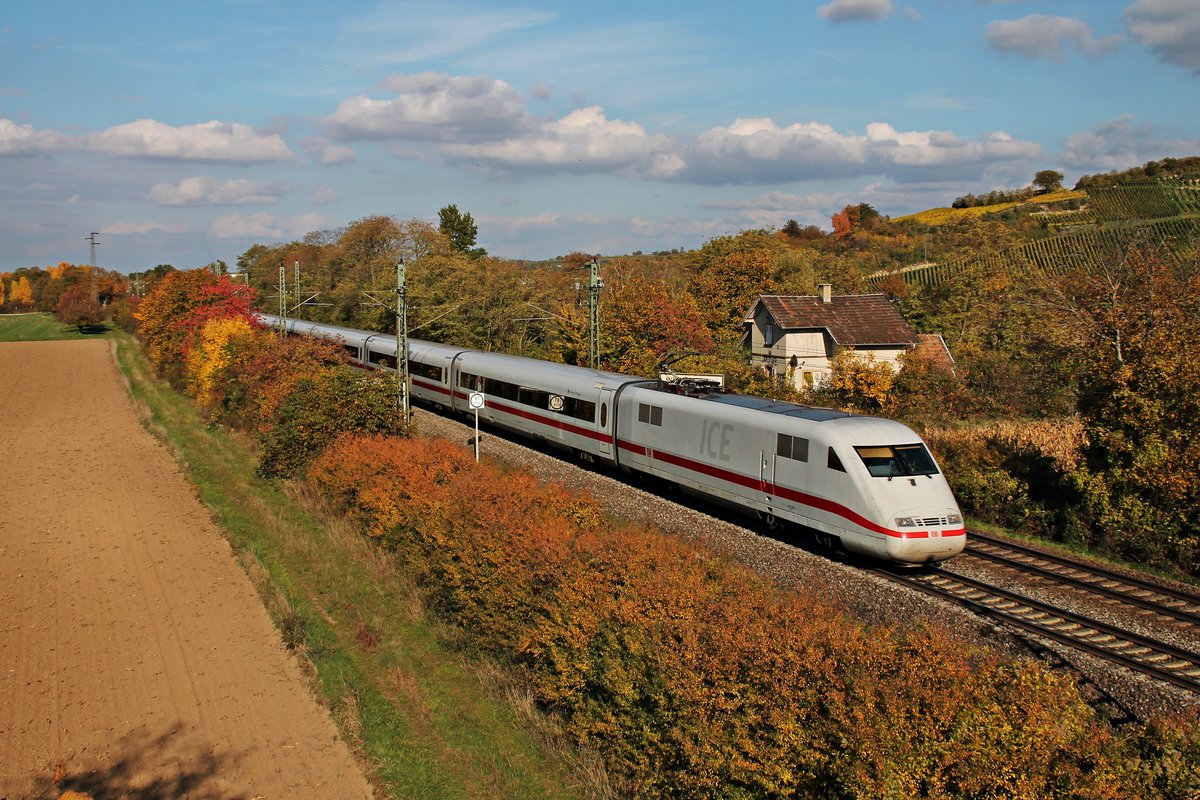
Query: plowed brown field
x=136 y=659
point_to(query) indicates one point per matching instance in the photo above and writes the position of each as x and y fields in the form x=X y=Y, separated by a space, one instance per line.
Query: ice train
x=865 y=483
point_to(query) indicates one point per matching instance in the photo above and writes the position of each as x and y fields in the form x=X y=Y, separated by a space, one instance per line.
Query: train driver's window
x=835 y=462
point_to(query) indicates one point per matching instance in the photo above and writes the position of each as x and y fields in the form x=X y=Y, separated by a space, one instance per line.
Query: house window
x=793 y=447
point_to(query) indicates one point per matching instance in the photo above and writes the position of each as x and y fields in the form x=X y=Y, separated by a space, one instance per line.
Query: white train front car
x=867 y=482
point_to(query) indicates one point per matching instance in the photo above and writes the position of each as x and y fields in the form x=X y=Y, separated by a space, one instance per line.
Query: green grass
x=39 y=328
x=427 y=723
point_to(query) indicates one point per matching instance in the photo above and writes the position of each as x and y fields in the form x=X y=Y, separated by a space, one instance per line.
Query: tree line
x=1027 y=339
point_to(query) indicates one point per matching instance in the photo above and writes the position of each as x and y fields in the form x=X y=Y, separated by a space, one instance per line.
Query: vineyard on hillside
x=1164 y=213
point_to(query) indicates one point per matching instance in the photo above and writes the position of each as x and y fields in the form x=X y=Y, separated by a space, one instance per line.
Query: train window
x=351 y=349
x=834 y=462
x=603 y=414
x=793 y=447
x=651 y=415
x=897 y=461
x=382 y=359
x=425 y=370
x=579 y=409
x=533 y=397
x=468 y=381
x=501 y=389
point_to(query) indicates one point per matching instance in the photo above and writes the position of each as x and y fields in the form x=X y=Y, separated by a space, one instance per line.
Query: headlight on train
x=907 y=522
x=954 y=519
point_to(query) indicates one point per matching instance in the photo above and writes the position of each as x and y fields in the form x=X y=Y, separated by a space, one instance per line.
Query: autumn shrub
x=320 y=407
x=124 y=313
x=171 y=316
x=860 y=383
x=696 y=678
x=77 y=306
x=1015 y=474
x=264 y=372
x=220 y=342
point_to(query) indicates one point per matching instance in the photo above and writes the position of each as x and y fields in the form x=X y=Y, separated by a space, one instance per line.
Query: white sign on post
x=476 y=400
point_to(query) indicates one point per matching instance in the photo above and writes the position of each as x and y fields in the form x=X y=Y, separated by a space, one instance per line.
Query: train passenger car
x=430 y=363
x=573 y=408
x=866 y=482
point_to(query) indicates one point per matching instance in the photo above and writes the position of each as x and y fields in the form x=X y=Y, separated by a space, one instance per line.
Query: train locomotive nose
x=923 y=535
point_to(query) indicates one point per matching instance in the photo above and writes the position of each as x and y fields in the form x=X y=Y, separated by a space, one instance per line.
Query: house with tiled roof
x=801 y=335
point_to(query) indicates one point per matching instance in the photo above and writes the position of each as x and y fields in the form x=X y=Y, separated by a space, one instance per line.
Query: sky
x=182 y=133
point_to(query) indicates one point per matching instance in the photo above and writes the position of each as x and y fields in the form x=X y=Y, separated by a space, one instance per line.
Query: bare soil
x=136 y=660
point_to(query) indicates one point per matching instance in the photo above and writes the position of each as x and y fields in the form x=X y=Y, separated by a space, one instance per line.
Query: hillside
x=1059 y=230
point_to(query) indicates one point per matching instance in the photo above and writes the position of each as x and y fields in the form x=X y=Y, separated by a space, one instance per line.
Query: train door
x=448 y=378
x=767 y=460
x=604 y=423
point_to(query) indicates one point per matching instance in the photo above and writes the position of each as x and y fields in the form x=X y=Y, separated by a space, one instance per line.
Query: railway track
x=1159 y=660
x=1178 y=604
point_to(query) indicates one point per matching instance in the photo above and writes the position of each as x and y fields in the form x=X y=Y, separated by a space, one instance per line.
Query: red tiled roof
x=933 y=348
x=851 y=319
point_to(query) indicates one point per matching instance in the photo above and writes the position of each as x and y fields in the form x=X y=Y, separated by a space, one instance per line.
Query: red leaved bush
x=173 y=314
x=698 y=679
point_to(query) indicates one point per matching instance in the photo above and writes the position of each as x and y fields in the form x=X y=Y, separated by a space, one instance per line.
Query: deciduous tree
x=77 y=306
x=730 y=272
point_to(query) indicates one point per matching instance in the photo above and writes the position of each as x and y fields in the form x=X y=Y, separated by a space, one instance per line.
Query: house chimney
x=825 y=290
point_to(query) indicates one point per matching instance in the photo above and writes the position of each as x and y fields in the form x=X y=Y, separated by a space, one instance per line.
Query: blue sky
x=185 y=132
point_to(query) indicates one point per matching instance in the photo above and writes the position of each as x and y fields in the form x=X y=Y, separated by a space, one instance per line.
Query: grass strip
x=426 y=723
x=39 y=327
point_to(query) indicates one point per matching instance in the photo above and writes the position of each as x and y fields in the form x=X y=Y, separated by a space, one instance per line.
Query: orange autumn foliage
x=694 y=676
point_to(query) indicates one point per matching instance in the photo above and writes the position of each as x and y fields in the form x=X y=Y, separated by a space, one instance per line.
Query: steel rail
x=1182 y=596
x=1096 y=580
x=1156 y=659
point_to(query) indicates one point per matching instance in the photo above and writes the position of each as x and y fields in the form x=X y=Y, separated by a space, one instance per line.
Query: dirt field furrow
x=133 y=649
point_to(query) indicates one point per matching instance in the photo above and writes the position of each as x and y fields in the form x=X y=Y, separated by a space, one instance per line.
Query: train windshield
x=897 y=461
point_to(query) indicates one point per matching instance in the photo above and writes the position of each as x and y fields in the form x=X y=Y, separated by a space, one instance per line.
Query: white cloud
x=263 y=225
x=773 y=201
x=1119 y=144
x=324 y=151
x=74 y=199
x=759 y=151
x=432 y=106
x=206 y=141
x=147 y=138
x=1171 y=28
x=324 y=196
x=1041 y=36
x=205 y=191
x=855 y=10
x=25 y=140
x=583 y=141
x=122 y=228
